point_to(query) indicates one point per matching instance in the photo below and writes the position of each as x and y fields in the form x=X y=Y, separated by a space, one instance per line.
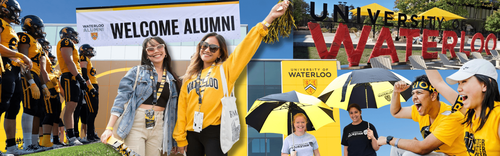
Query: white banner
x=173 y=22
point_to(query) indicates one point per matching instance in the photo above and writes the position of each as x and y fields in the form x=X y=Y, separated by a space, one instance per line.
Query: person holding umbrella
x=300 y=143
x=358 y=137
x=441 y=129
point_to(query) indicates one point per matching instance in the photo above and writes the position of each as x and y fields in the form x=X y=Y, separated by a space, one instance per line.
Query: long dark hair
x=490 y=96
x=167 y=61
x=196 y=64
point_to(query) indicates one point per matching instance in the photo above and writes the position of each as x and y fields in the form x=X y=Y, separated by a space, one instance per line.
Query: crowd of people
x=29 y=78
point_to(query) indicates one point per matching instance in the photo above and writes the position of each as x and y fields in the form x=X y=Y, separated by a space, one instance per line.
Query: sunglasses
x=213 y=48
x=152 y=49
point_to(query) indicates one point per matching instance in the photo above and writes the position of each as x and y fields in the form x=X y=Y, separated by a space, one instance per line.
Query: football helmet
x=87 y=50
x=10 y=9
x=69 y=32
x=33 y=25
x=45 y=44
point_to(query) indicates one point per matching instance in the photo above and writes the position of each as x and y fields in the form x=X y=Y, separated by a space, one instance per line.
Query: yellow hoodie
x=211 y=103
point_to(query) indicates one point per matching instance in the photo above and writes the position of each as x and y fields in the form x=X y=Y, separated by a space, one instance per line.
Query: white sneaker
x=16 y=151
x=73 y=141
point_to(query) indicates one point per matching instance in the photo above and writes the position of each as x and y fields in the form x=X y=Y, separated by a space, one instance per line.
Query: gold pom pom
x=282 y=26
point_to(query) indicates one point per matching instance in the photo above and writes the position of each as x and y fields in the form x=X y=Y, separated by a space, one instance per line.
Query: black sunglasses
x=213 y=48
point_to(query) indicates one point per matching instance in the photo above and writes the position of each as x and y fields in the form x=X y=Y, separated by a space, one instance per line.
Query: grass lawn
x=83 y=150
x=312 y=53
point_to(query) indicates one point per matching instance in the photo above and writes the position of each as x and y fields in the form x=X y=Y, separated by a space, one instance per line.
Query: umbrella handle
x=293 y=141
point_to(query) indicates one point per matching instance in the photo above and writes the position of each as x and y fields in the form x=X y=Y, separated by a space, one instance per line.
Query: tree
x=300 y=12
x=493 y=22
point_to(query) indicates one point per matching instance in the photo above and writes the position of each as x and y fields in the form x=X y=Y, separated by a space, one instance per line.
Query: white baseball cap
x=475 y=66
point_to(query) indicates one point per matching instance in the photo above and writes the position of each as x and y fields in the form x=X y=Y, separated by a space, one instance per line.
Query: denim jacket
x=142 y=91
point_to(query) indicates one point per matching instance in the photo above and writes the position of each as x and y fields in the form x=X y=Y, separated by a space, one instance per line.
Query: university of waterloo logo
x=310 y=85
x=94 y=35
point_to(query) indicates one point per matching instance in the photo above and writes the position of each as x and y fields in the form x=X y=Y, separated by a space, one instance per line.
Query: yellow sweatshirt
x=212 y=92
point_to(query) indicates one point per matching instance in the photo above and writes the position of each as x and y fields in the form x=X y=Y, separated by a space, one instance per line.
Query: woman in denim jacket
x=143 y=133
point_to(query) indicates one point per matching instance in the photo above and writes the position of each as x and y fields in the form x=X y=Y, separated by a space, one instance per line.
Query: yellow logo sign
x=310 y=86
x=94 y=35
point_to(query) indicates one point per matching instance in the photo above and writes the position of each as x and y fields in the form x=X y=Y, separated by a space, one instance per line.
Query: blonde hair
x=196 y=64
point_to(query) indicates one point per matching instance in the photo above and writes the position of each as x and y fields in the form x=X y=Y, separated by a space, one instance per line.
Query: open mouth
x=419 y=106
x=464 y=97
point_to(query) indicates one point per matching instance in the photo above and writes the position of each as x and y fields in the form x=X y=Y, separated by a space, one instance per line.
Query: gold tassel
x=282 y=26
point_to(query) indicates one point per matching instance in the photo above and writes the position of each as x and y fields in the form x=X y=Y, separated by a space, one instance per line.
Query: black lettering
x=313 y=15
x=117 y=30
x=414 y=21
x=216 y=82
x=144 y=24
x=337 y=11
x=187 y=27
x=225 y=23
x=164 y=28
x=388 y=16
x=456 y=24
x=214 y=25
x=328 y=74
x=313 y=74
x=431 y=21
x=127 y=30
x=135 y=30
x=232 y=22
x=174 y=27
x=307 y=74
x=291 y=74
x=194 y=26
x=153 y=29
x=440 y=21
x=402 y=22
x=373 y=18
x=204 y=27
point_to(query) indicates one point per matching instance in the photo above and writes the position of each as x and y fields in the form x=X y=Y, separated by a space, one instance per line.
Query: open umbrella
x=373 y=7
x=369 y=88
x=273 y=113
x=441 y=14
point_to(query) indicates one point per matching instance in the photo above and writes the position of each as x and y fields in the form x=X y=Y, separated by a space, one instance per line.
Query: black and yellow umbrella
x=369 y=88
x=273 y=113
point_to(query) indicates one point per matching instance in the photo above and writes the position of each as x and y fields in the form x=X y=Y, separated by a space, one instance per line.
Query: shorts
x=71 y=87
x=32 y=106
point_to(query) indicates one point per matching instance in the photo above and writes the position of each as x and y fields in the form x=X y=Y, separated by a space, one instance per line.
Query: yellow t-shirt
x=486 y=140
x=35 y=50
x=90 y=69
x=446 y=127
x=65 y=42
x=9 y=40
x=212 y=91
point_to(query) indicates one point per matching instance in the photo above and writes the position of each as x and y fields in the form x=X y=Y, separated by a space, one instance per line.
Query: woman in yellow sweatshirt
x=200 y=106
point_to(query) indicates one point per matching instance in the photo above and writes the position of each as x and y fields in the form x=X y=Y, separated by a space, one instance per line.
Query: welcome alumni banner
x=179 y=22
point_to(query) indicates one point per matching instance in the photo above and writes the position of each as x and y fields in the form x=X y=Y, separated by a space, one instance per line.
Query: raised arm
x=444 y=89
x=396 y=110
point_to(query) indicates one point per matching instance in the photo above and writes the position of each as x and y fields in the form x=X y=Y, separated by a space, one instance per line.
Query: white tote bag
x=230 y=121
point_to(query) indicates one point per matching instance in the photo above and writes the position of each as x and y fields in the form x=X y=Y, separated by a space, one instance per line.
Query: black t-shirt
x=355 y=136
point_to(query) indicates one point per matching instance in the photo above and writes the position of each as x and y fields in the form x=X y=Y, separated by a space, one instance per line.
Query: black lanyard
x=156 y=95
x=199 y=82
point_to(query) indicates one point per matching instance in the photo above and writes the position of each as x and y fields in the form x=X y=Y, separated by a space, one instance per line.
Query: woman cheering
x=200 y=106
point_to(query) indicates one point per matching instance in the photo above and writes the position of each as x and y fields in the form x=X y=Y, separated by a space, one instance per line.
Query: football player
x=71 y=80
x=92 y=95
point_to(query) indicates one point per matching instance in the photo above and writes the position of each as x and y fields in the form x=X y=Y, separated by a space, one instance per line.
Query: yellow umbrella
x=374 y=7
x=441 y=14
x=396 y=16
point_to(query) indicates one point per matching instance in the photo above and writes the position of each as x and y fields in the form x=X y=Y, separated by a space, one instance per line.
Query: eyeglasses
x=152 y=49
x=213 y=48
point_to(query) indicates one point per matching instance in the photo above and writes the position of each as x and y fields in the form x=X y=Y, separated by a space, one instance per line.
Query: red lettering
x=480 y=36
x=409 y=33
x=319 y=40
x=385 y=35
x=451 y=46
x=426 y=44
x=462 y=43
x=491 y=36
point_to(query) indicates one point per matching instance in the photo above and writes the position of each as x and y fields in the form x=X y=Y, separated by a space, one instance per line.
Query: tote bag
x=230 y=121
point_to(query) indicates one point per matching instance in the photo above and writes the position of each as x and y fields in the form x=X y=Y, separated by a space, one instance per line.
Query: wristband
x=44 y=86
x=396 y=144
x=109 y=127
x=265 y=23
x=31 y=81
x=19 y=55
